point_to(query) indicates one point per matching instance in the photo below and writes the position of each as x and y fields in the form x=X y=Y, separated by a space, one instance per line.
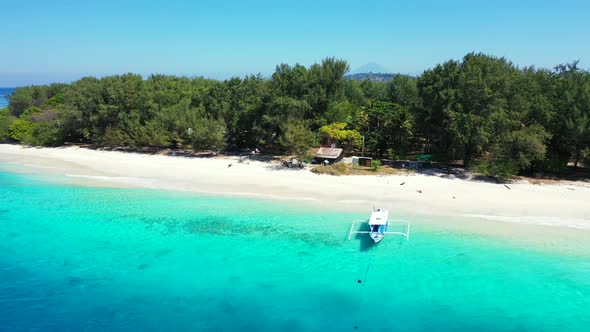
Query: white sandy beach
x=565 y=204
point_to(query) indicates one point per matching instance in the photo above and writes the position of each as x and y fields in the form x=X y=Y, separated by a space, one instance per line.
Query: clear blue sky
x=58 y=40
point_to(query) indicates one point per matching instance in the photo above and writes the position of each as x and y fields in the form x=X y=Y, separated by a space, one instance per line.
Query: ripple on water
x=75 y=281
x=146 y=260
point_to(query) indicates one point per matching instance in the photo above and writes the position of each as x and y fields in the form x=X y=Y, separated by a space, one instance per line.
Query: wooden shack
x=332 y=155
x=362 y=161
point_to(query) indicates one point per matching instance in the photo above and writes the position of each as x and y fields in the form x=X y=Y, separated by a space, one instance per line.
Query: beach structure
x=362 y=161
x=379 y=225
x=332 y=155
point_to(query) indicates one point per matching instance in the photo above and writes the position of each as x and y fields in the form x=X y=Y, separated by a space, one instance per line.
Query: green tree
x=375 y=165
x=480 y=109
x=326 y=84
x=20 y=129
x=336 y=133
x=29 y=112
x=291 y=81
x=151 y=134
x=114 y=137
x=571 y=100
x=403 y=90
x=501 y=169
x=525 y=146
x=374 y=91
x=354 y=93
x=389 y=128
x=20 y=100
x=578 y=134
x=208 y=134
x=281 y=110
x=6 y=120
x=44 y=134
x=297 y=139
x=466 y=105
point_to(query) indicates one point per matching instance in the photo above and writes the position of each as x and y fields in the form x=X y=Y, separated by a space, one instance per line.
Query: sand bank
x=565 y=204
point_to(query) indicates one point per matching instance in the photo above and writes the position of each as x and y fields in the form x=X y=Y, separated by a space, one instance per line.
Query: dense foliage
x=481 y=110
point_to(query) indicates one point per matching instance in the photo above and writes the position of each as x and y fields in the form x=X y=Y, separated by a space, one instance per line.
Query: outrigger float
x=379 y=224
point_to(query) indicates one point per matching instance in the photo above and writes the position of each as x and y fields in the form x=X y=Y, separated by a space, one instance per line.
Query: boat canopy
x=379 y=217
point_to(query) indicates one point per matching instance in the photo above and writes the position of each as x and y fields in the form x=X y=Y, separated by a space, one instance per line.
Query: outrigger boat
x=379 y=226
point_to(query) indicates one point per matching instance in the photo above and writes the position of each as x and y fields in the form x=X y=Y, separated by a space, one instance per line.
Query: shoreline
x=524 y=204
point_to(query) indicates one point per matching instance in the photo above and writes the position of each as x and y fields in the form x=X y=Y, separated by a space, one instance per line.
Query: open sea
x=78 y=258
x=4 y=93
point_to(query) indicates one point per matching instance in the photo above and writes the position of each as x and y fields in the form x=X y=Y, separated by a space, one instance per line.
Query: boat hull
x=377 y=237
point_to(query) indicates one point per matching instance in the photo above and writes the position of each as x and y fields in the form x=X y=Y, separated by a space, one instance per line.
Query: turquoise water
x=4 y=93
x=95 y=259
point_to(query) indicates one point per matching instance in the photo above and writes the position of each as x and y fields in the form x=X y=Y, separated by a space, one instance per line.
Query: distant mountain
x=371 y=71
x=371 y=67
x=377 y=77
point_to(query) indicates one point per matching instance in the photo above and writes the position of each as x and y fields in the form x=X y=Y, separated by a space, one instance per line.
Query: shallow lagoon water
x=99 y=259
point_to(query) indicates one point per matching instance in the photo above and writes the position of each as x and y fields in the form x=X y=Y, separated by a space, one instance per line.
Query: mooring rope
x=370 y=262
x=363 y=281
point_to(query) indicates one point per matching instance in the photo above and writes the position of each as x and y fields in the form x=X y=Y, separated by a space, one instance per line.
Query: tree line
x=482 y=110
